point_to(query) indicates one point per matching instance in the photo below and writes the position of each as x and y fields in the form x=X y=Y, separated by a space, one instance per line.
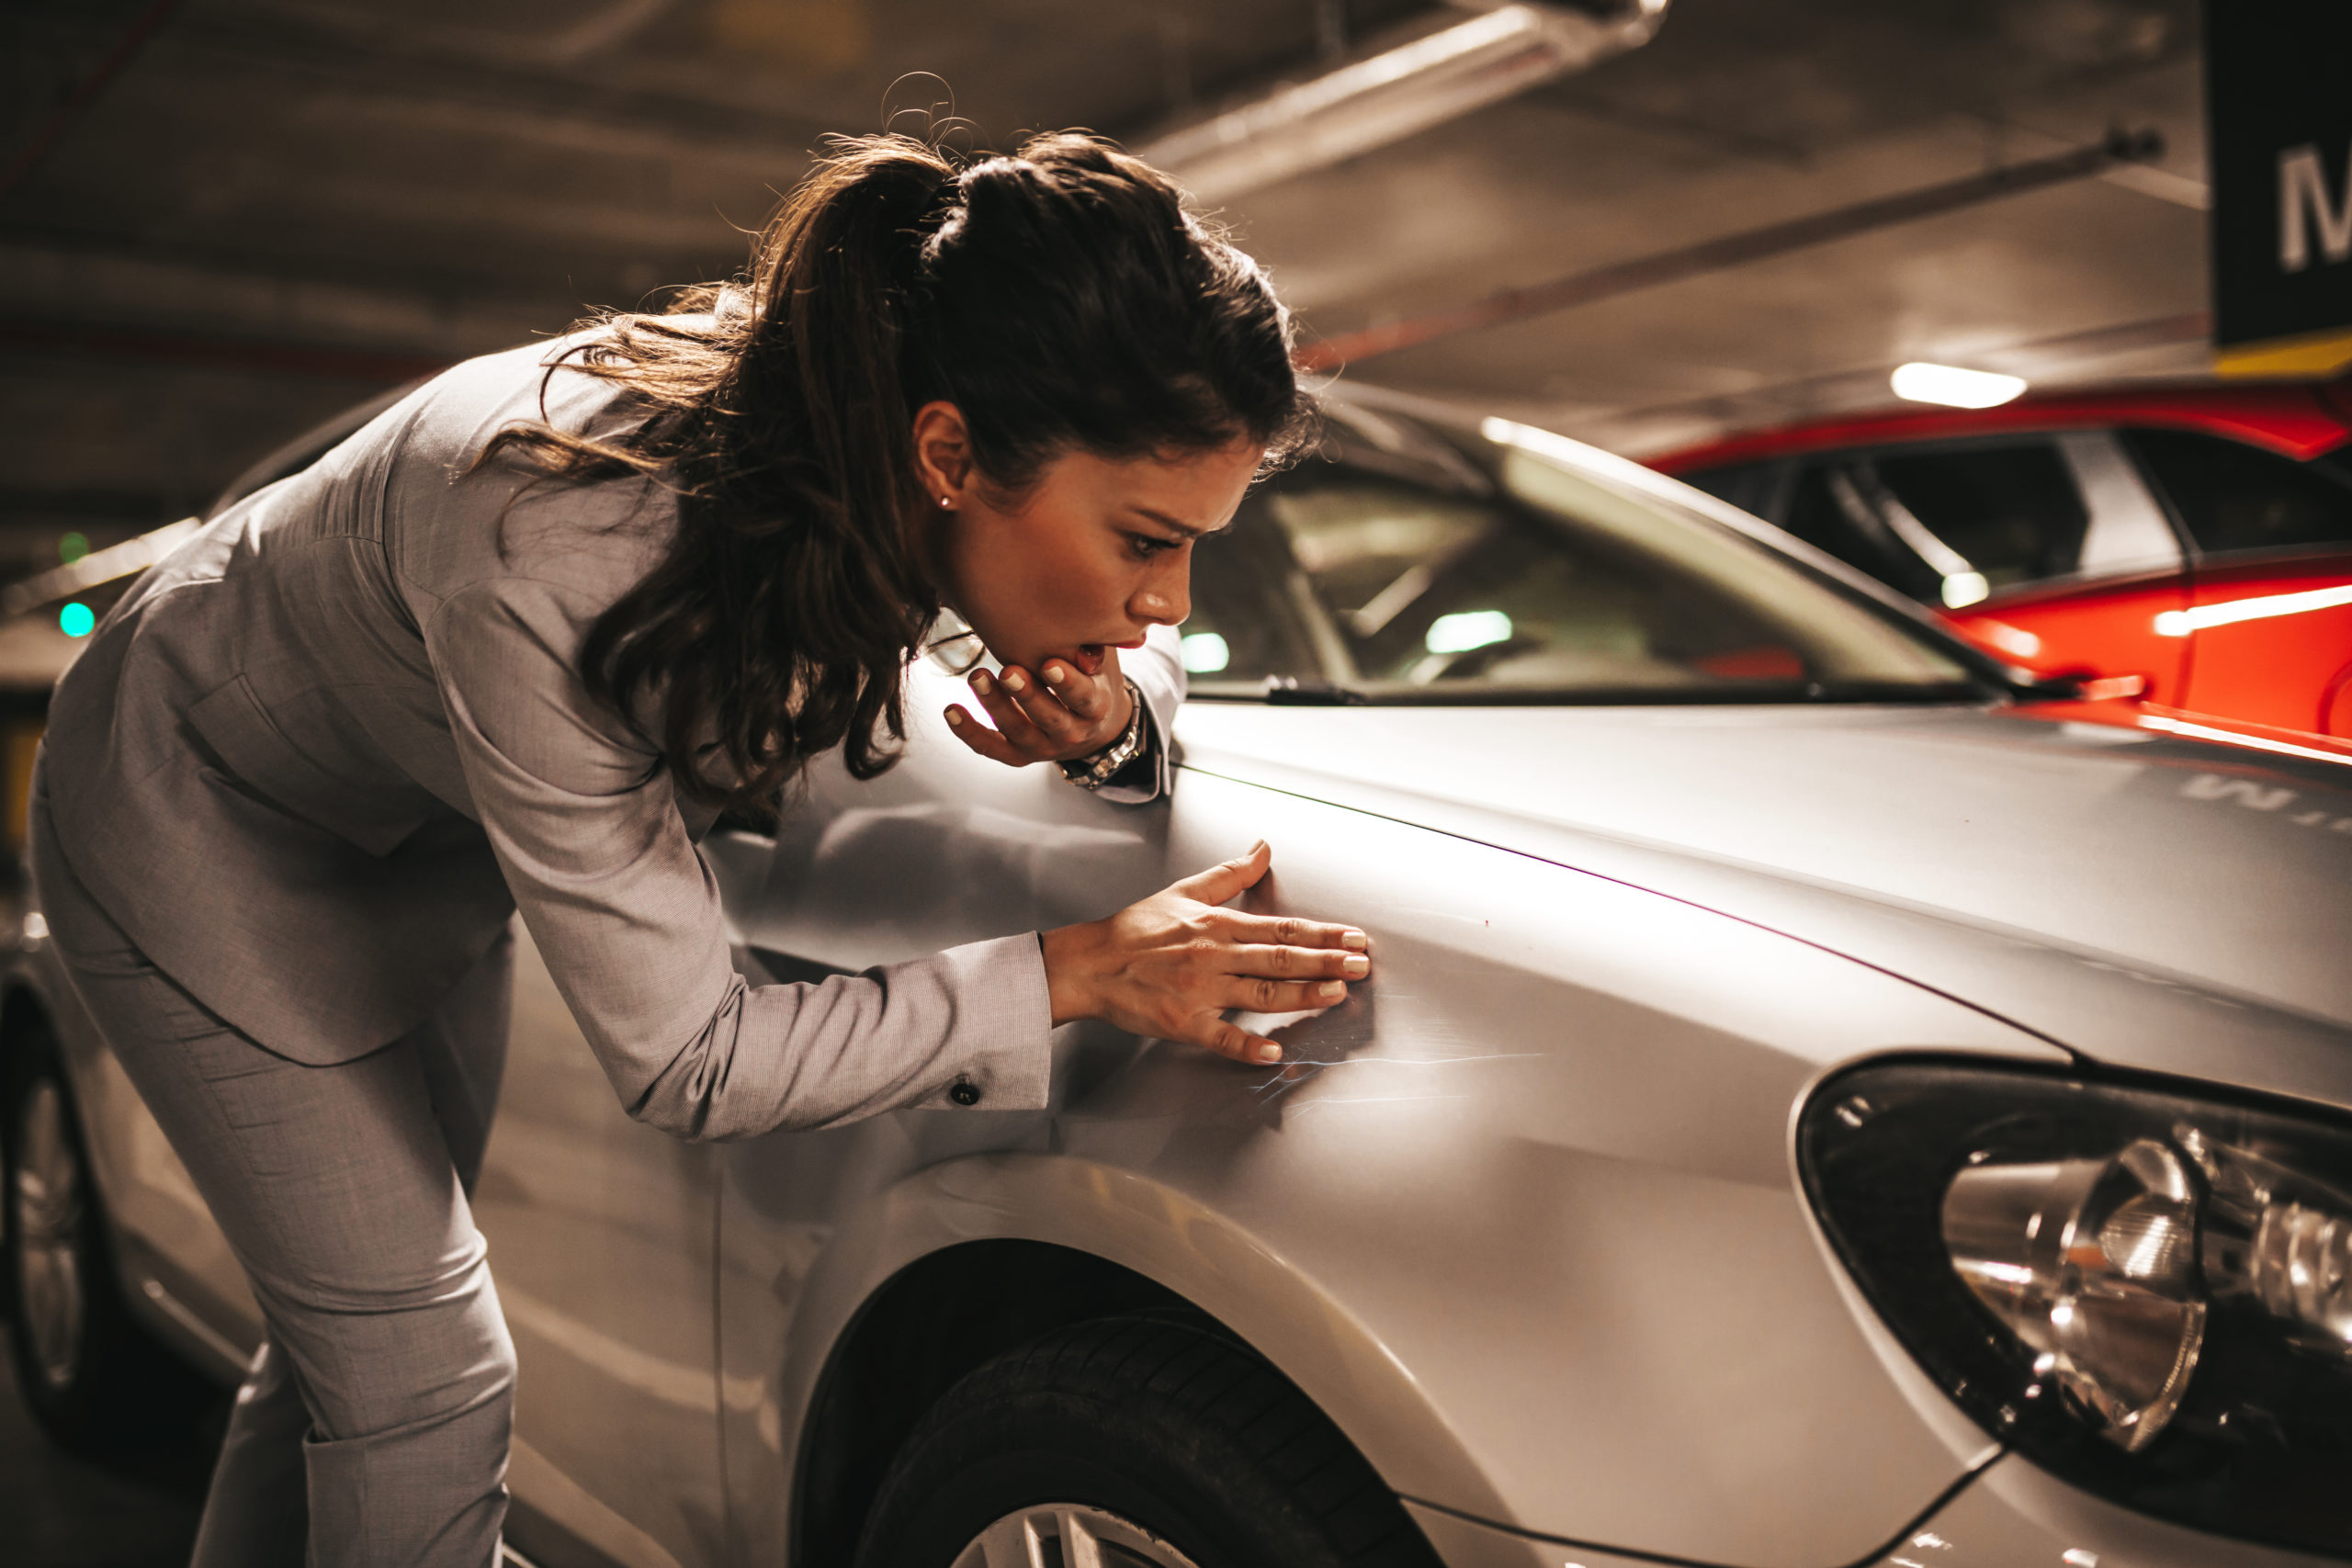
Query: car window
x=1334 y=576
x=2231 y=496
x=1745 y=485
x=1949 y=526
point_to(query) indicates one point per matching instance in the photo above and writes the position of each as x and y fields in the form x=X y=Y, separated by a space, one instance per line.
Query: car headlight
x=2146 y=1293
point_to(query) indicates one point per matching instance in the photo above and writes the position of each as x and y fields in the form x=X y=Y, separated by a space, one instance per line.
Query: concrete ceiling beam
x=77 y=290
x=516 y=99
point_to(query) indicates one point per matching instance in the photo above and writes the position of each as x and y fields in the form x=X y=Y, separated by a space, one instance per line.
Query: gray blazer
x=321 y=752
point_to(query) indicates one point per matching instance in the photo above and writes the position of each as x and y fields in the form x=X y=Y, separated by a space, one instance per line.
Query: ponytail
x=1061 y=297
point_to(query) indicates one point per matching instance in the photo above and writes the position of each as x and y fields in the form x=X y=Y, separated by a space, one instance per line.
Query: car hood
x=2107 y=880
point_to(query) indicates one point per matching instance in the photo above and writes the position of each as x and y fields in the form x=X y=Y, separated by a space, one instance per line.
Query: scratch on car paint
x=1401 y=1062
x=1294 y=1074
x=1306 y=1105
x=1456 y=916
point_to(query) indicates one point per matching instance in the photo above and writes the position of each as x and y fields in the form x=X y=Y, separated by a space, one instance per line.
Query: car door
x=2046 y=548
x=946 y=847
x=600 y=1234
x=2269 y=629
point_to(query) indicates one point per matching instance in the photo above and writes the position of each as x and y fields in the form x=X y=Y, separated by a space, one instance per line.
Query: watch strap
x=1098 y=769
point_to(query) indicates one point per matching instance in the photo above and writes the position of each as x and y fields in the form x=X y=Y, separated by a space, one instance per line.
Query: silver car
x=1819 y=1103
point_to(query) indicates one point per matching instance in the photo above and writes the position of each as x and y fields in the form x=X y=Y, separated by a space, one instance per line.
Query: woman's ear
x=943 y=453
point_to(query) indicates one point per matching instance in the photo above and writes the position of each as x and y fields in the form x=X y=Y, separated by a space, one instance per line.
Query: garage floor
x=137 y=1511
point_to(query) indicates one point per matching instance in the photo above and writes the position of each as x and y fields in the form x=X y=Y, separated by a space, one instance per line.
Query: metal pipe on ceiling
x=268 y=357
x=1731 y=250
x=86 y=93
x=99 y=566
x=1502 y=51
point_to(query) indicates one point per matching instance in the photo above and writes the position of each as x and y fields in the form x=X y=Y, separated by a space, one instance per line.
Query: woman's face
x=1089 y=558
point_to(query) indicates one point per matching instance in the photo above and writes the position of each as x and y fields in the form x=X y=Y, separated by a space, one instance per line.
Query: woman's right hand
x=1171 y=965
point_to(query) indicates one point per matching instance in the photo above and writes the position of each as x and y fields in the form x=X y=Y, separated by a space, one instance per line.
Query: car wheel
x=81 y=1363
x=1134 y=1443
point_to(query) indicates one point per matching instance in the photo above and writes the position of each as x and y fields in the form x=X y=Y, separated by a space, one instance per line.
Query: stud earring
x=947 y=503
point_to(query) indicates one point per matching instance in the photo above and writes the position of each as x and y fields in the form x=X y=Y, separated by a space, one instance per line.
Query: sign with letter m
x=2278 y=108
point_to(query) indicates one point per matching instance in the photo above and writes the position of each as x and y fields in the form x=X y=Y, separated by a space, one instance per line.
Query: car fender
x=1167 y=1235
x=1571 y=1290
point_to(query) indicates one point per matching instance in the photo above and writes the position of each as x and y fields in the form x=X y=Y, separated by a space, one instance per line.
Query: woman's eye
x=1147 y=545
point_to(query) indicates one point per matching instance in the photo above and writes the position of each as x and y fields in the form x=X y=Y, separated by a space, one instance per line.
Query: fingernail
x=1332 y=990
x=1256 y=847
x=1269 y=1053
x=1013 y=681
x=1054 y=674
x=1353 y=939
x=980 y=682
x=1355 y=968
x=956 y=715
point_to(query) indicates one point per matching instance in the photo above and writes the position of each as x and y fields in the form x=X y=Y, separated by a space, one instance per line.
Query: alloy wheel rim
x=1068 y=1535
x=50 y=1224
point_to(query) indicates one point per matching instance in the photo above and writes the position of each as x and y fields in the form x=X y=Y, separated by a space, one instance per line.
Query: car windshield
x=1336 y=582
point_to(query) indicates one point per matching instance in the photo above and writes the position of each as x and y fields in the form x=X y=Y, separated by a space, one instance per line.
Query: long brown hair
x=1061 y=297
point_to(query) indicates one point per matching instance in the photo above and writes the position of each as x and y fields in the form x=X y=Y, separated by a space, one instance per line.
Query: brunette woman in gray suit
x=515 y=645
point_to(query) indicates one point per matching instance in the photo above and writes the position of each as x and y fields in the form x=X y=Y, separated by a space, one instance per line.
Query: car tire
x=1167 y=1443
x=92 y=1377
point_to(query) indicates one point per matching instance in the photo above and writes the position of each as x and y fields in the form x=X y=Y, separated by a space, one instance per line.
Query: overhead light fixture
x=1444 y=75
x=1952 y=387
x=1467 y=629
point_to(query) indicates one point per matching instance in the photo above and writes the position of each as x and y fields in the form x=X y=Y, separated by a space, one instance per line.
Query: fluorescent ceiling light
x=1954 y=388
x=1445 y=76
x=1467 y=629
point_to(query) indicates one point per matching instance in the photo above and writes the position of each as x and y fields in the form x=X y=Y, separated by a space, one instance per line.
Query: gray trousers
x=372 y=1429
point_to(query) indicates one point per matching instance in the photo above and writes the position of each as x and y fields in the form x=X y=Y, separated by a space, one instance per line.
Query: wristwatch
x=1094 y=772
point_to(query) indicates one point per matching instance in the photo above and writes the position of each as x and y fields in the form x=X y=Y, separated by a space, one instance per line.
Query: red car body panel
x=2291 y=670
x=2295 y=420
x=2105 y=631
x=2281 y=664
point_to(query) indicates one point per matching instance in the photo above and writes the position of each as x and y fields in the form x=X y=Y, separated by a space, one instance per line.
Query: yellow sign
x=2318 y=354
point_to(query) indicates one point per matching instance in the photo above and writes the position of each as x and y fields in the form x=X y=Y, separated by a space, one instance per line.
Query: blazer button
x=964 y=1092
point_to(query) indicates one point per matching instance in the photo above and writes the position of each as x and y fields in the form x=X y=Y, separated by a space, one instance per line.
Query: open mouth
x=1092 y=656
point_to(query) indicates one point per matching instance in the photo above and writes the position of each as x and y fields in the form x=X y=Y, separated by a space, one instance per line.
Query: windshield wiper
x=1285 y=690
x=1288 y=690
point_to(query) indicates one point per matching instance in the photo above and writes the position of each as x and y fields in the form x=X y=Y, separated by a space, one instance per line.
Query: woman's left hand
x=1058 y=714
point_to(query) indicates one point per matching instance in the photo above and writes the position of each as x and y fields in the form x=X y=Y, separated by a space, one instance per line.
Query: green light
x=77 y=619
x=1205 y=653
x=73 y=547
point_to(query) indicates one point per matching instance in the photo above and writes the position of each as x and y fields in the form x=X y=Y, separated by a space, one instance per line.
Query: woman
x=518 y=642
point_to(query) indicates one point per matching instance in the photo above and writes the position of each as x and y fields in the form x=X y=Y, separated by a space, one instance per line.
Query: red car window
x=2234 y=497
x=1946 y=526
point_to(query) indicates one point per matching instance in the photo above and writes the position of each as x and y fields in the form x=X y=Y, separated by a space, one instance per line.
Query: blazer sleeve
x=625 y=913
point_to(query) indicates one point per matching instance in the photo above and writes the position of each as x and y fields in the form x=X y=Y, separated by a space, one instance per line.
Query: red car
x=2190 y=546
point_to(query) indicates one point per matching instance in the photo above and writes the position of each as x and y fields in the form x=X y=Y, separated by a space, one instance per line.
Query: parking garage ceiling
x=267 y=210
